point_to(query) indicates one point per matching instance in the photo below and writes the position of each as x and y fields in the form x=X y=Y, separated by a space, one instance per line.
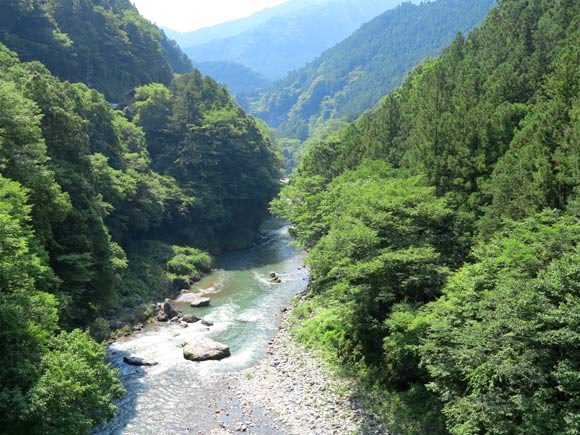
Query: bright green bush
x=187 y=266
x=501 y=345
x=77 y=388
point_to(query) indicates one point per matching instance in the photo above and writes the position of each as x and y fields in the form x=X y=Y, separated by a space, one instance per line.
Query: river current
x=173 y=397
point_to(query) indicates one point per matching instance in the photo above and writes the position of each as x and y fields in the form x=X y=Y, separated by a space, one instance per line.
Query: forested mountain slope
x=352 y=76
x=105 y=44
x=444 y=228
x=238 y=78
x=294 y=34
x=101 y=210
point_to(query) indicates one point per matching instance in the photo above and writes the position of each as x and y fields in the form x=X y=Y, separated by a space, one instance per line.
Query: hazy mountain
x=278 y=40
x=235 y=27
x=352 y=76
x=237 y=77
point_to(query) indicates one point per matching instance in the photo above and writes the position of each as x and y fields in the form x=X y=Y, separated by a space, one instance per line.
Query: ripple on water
x=174 y=395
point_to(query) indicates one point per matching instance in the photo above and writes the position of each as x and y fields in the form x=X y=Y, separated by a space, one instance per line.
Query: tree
x=501 y=344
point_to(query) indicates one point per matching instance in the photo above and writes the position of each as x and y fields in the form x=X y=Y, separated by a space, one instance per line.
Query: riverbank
x=296 y=393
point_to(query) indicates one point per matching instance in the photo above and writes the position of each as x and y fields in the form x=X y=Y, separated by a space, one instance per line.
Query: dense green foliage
x=105 y=44
x=353 y=75
x=49 y=384
x=100 y=210
x=285 y=37
x=443 y=229
x=219 y=156
x=501 y=346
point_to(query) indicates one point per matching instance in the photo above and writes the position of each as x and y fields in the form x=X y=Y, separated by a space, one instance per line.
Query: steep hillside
x=443 y=229
x=104 y=211
x=105 y=44
x=296 y=33
x=353 y=75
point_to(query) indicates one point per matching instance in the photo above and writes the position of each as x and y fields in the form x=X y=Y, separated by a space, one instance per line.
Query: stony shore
x=291 y=391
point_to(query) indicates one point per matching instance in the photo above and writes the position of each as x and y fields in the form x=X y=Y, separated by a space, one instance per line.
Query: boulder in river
x=205 y=349
x=162 y=317
x=167 y=312
x=274 y=278
x=200 y=302
x=206 y=323
x=136 y=361
x=189 y=318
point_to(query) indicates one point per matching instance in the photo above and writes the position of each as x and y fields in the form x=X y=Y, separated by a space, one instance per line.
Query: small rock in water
x=274 y=278
x=206 y=323
x=136 y=361
x=189 y=318
x=200 y=302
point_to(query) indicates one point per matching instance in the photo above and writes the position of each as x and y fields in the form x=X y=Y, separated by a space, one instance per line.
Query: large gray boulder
x=200 y=302
x=205 y=349
x=169 y=310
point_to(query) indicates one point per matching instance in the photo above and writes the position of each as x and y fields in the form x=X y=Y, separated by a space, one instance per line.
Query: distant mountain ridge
x=238 y=78
x=280 y=39
x=235 y=27
x=352 y=76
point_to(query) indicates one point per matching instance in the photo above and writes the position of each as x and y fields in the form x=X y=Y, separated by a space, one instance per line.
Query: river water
x=175 y=396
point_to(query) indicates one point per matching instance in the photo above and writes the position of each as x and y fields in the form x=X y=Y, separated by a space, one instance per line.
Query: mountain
x=353 y=75
x=103 y=43
x=443 y=229
x=235 y=27
x=283 y=38
x=238 y=78
x=104 y=211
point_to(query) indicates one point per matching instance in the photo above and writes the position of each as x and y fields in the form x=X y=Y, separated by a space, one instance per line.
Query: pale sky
x=187 y=15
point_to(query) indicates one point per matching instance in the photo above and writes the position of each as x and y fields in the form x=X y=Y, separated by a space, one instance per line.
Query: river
x=178 y=396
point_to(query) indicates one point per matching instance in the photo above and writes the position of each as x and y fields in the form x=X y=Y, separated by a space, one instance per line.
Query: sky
x=188 y=15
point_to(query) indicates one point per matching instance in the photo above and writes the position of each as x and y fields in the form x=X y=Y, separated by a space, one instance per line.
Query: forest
x=105 y=44
x=443 y=229
x=352 y=76
x=441 y=226
x=102 y=210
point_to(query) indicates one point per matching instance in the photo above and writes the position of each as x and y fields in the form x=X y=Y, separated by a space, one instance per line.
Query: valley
x=326 y=217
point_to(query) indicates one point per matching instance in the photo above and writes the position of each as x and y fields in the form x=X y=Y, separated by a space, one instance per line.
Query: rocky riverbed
x=268 y=385
x=291 y=391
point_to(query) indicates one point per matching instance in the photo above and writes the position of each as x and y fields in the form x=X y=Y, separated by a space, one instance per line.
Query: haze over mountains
x=353 y=75
x=280 y=39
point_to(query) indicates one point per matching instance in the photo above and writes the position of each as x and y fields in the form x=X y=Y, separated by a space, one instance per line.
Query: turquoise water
x=173 y=396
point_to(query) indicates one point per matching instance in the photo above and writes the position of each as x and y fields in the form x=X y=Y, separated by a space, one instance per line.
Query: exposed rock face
x=205 y=349
x=200 y=302
x=169 y=310
x=136 y=361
